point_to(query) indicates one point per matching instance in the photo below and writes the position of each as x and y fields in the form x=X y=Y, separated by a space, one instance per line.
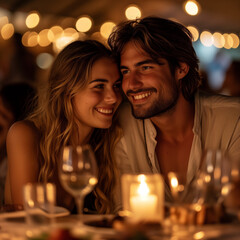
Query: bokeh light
x=206 y=39
x=32 y=20
x=44 y=60
x=18 y=21
x=191 y=7
x=84 y=24
x=133 y=12
x=228 y=41
x=106 y=29
x=3 y=21
x=235 y=40
x=43 y=39
x=32 y=39
x=7 y=31
x=54 y=32
x=218 y=40
x=194 y=33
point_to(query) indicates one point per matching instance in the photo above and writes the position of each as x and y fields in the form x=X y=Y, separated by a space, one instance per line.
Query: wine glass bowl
x=231 y=191
x=78 y=172
x=199 y=201
x=215 y=172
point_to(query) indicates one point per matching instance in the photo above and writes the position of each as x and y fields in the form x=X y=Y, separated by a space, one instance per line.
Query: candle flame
x=174 y=182
x=143 y=189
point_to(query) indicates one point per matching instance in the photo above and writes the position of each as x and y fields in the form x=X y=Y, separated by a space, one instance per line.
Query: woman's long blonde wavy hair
x=56 y=121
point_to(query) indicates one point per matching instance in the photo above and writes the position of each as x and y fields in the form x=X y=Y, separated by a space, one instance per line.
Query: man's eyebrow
x=140 y=63
x=98 y=80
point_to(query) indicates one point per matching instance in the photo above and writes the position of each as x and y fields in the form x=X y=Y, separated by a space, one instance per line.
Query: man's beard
x=158 y=107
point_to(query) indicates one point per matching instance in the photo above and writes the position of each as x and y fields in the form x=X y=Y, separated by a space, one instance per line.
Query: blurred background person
x=231 y=84
x=16 y=102
x=17 y=64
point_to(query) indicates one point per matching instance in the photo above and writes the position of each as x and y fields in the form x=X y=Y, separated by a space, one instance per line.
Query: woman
x=82 y=95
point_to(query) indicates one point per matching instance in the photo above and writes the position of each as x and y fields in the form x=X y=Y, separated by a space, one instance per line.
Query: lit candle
x=143 y=204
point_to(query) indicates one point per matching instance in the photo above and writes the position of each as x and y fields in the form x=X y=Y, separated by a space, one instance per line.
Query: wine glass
x=78 y=173
x=203 y=194
x=231 y=191
x=215 y=173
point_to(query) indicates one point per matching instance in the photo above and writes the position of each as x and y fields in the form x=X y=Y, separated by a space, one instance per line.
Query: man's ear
x=181 y=71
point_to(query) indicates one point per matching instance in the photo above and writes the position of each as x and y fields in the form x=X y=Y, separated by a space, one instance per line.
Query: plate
x=98 y=224
x=58 y=212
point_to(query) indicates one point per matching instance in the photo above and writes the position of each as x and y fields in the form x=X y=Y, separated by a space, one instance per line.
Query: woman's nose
x=111 y=97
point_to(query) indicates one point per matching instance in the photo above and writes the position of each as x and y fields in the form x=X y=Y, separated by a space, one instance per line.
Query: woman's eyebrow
x=98 y=80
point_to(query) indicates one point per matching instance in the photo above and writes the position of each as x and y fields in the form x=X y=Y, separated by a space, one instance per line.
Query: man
x=173 y=122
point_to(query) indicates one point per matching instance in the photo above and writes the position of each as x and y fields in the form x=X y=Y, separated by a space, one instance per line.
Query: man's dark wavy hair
x=161 y=38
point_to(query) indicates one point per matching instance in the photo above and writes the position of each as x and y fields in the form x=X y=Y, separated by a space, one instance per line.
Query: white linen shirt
x=216 y=126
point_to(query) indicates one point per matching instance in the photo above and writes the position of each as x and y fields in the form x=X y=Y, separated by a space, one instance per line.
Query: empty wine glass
x=202 y=195
x=231 y=191
x=215 y=173
x=78 y=173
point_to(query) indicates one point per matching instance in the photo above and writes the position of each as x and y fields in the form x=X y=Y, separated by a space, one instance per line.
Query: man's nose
x=134 y=81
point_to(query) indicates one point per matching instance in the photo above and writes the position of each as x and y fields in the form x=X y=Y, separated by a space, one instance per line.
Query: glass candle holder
x=143 y=196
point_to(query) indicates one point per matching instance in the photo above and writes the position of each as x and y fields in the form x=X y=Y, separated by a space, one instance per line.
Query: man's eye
x=146 y=67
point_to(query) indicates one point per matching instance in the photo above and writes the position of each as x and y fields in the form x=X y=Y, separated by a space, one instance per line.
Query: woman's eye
x=99 y=86
x=124 y=71
x=118 y=85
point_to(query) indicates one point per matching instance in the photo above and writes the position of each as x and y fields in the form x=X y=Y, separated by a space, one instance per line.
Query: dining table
x=13 y=226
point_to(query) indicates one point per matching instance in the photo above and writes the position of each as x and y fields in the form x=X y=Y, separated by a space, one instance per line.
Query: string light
x=32 y=20
x=84 y=24
x=192 y=7
x=7 y=31
x=106 y=29
x=133 y=12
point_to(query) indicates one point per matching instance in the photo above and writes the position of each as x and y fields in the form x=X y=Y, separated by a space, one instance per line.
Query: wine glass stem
x=79 y=203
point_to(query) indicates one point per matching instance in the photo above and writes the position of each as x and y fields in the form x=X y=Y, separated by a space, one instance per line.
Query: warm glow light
x=174 y=182
x=206 y=38
x=194 y=33
x=93 y=181
x=199 y=235
x=18 y=21
x=54 y=32
x=218 y=40
x=235 y=40
x=84 y=24
x=133 y=12
x=97 y=36
x=43 y=39
x=32 y=39
x=143 y=189
x=62 y=42
x=44 y=60
x=32 y=20
x=228 y=41
x=25 y=38
x=191 y=7
x=7 y=31
x=71 y=32
x=3 y=21
x=106 y=29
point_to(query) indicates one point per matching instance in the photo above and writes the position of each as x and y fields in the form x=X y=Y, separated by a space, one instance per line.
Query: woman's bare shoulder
x=23 y=130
